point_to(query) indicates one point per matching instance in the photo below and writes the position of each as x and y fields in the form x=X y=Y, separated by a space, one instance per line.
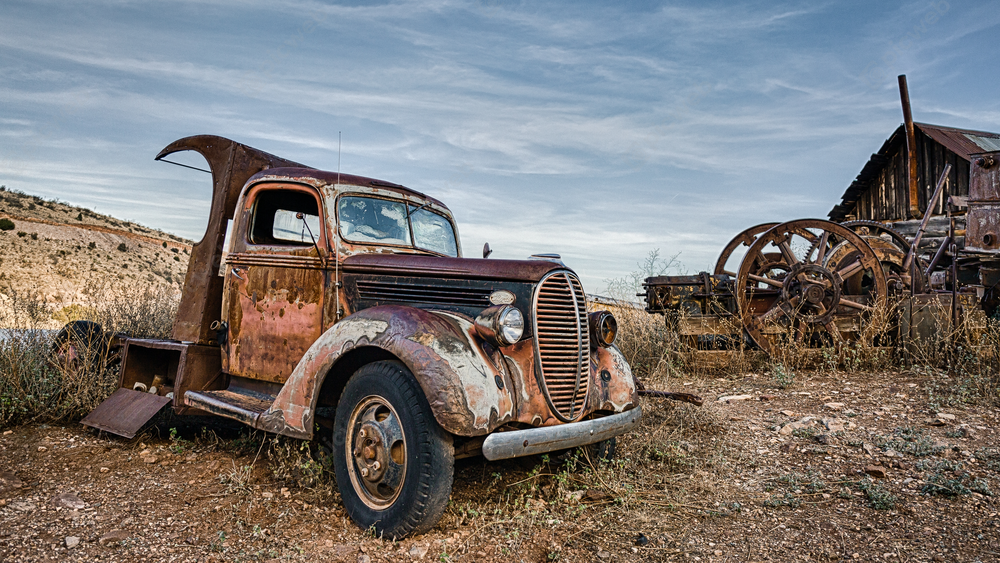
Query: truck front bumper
x=517 y=443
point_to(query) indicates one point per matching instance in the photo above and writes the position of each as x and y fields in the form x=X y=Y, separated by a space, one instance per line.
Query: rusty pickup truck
x=342 y=310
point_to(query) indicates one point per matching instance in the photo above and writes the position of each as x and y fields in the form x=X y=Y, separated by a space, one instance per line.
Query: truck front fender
x=467 y=391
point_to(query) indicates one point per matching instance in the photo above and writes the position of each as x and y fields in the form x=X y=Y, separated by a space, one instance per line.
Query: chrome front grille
x=562 y=340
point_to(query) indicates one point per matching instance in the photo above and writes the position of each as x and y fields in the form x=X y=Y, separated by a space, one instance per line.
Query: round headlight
x=502 y=325
x=511 y=325
x=603 y=328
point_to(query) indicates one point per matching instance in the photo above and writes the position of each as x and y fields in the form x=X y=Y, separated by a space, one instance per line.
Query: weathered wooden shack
x=881 y=191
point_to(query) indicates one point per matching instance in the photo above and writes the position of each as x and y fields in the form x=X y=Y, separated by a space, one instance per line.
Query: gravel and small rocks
x=782 y=479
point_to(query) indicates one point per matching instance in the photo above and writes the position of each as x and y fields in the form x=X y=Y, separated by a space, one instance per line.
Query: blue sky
x=596 y=131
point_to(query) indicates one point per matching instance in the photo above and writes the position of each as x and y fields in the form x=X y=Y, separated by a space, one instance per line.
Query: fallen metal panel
x=125 y=411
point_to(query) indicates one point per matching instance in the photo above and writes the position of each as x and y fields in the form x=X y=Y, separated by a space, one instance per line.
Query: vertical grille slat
x=563 y=342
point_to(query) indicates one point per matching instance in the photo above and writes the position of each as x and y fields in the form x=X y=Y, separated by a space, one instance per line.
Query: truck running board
x=230 y=404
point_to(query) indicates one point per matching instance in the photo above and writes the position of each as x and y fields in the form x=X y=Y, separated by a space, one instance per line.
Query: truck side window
x=275 y=222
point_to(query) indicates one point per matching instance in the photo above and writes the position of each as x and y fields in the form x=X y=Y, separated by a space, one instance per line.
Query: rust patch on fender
x=457 y=378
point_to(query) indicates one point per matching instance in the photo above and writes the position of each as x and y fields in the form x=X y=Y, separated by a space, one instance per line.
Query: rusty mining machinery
x=816 y=283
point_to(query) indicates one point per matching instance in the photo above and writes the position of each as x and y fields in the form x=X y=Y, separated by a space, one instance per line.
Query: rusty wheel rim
x=376 y=452
x=745 y=238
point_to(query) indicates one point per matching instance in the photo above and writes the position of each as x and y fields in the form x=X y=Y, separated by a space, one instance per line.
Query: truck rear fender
x=462 y=384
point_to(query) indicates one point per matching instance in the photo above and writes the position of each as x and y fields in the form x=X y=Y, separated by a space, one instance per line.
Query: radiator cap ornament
x=501 y=297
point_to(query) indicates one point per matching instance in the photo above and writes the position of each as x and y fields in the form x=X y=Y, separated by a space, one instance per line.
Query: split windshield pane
x=382 y=221
x=433 y=232
x=365 y=219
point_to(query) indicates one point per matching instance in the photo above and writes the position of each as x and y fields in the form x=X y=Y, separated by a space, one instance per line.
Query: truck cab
x=342 y=309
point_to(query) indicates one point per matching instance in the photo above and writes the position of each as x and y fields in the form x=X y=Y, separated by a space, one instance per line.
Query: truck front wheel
x=394 y=463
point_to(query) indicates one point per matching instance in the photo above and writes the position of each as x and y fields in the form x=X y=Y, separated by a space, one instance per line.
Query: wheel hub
x=814 y=293
x=810 y=293
x=377 y=451
x=371 y=453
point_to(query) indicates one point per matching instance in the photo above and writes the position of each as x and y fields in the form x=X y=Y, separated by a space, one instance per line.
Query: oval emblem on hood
x=501 y=297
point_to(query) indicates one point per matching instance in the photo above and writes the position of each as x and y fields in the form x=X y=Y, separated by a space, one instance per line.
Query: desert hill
x=58 y=250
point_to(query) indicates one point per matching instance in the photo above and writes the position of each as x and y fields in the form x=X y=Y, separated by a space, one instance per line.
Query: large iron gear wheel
x=891 y=246
x=818 y=296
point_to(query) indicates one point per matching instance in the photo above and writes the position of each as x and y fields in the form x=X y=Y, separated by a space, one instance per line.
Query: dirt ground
x=769 y=474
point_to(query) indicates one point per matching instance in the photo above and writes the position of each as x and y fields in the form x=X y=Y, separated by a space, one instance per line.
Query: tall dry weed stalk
x=36 y=383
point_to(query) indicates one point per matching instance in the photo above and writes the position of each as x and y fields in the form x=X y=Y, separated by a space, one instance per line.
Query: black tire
x=80 y=345
x=591 y=454
x=394 y=464
x=86 y=331
x=601 y=452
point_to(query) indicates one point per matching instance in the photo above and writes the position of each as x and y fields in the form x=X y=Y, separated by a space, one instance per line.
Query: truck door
x=275 y=281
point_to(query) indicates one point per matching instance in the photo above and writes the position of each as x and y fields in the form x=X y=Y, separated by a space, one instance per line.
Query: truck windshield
x=384 y=221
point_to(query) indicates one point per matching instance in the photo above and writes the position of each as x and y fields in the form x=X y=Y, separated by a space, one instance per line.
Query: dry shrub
x=140 y=310
x=300 y=463
x=649 y=347
x=37 y=384
x=656 y=348
x=965 y=356
x=28 y=382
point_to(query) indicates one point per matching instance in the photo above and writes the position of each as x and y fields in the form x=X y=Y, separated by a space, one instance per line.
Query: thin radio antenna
x=336 y=260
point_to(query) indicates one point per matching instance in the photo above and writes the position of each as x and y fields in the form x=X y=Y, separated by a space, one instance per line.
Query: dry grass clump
x=300 y=463
x=669 y=463
x=968 y=353
x=651 y=349
x=36 y=383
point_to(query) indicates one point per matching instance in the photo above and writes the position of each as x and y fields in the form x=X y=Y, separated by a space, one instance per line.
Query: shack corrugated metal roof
x=962 y=142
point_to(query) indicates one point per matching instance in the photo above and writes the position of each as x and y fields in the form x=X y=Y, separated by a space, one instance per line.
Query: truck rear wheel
x=394 y=463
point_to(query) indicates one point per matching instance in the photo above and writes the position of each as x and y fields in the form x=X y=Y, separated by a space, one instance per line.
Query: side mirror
x=487 y=250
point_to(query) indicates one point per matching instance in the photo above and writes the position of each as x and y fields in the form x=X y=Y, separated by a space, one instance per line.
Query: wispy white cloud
x=602 y=131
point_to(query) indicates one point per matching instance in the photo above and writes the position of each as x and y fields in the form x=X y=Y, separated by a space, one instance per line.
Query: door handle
x=236 y=272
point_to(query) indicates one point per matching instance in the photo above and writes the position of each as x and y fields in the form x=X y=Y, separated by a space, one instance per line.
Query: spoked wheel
x=394 y=463
x=819 y=300
x=891 y=248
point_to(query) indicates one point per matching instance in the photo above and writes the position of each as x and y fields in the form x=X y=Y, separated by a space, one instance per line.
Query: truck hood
x=441 y=267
